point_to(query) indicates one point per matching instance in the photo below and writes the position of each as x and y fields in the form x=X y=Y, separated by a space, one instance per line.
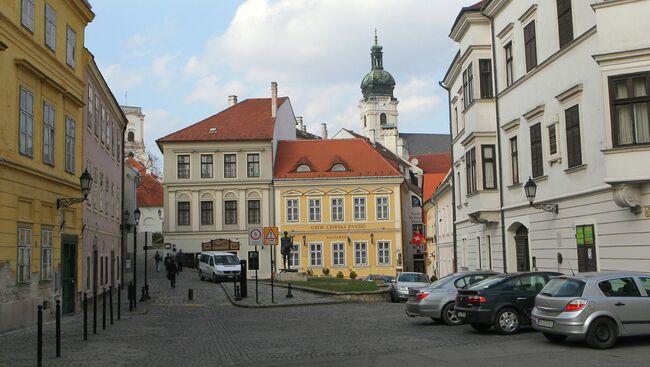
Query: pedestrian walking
x=171 y=273
x=168 y=259
x=158 y=258
x=180 y=257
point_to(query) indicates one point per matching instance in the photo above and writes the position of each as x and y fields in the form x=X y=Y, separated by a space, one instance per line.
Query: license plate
x=545 y=323
x=461 y=314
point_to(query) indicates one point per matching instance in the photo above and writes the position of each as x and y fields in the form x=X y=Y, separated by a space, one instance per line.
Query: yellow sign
x=271 y=236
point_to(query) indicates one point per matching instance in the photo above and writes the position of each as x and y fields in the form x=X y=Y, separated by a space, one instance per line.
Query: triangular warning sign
x=270 y=235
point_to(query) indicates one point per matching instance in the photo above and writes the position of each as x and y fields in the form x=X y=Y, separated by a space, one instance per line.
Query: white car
x=218 y=266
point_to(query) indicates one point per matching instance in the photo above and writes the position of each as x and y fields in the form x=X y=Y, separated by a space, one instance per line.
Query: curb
x=331 y=293
x=234 y=303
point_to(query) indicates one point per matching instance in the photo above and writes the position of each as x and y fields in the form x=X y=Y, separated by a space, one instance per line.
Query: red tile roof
x=434 y=163
x=131 y=161
x=357 y=155
x=149 y=192
x=247 y=120
x=431 y=181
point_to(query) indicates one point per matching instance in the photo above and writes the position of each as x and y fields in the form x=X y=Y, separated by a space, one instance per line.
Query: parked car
x=399 y=288
x=596 y=306
x=437 y=300
x=218 y=266
x=384 y=278
x=502 y=301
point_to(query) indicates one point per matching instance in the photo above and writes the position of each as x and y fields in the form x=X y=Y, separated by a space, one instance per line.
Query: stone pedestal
x=291 y=277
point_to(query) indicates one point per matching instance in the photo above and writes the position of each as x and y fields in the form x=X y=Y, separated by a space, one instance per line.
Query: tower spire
x=376 y=36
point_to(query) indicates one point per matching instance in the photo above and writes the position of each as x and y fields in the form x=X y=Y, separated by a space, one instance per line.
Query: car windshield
x=441 y=282
x=413 y=277
x=563 y=287
x=487 y=282
x=226 y=260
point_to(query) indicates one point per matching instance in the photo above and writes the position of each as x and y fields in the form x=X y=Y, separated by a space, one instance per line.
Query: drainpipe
x=453 y=178
x=499 y=154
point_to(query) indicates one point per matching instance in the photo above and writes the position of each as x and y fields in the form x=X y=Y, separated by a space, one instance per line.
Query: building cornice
x=43 y=76
x=477 y=135
x=611 y=58
x=569 y=93
x=456 y=66
x=534 y=113
x=510 y=126
x=466 y=21
x=529 y=13
x=607 y=4
x=494 y=7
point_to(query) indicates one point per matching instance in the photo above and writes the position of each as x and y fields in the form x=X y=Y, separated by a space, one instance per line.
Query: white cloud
x=121 y=78
x=214 y=91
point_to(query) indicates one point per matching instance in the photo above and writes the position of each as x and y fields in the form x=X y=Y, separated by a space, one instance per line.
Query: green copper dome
x=378 y=82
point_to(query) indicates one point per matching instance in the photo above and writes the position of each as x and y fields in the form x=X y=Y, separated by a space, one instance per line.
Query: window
x=338 y=254
x=417 y=228
x=23 y=272
x=26 y=122
x=536 y=153
x=292 y=210
x=456 y=119
x=207 y=213
x=130 y=136
x=485 y=71
x=90 y=106
x=254 y=212
x=314 y=210
x=510 y=75
x=468 y=90
x=338 y=168
x=620 y=287
x=231 y=212
x=530 y=46
x=71 y=49
x=49 y=121
x=470 y=170
x=360 y=253
x=645 y=282
x=294 y=261
x=97 y=116
x=316 y=254
x=337 y=209
x=183 y=166
x=50 y=27
x=382 y=120
x=229 y=165
x=183 y=212
x=27 y=16
x=46 y=254
x=514 y=160
x=206 y=165
x=102 y=132
x=564 y=22
x=69 y=144
x=630 y=108
x=382 y=208
x=552 y=139
x=383 y=252
x=489 y=167
x=359 y=208
x=303 y=168
x=253 y=167
x=415 y=201
x=109 y=132
x=573 y=145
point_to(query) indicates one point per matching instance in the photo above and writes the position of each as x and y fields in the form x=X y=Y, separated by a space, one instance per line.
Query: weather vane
x=375 y=36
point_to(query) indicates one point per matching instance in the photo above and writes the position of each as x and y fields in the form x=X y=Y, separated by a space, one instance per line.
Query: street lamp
x=136 y=219
x=530 y=189
x=86 y=182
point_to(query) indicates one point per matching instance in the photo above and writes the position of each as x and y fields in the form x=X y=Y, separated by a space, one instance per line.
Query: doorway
x=521 y=248
x=586 y=243
x=68 y=272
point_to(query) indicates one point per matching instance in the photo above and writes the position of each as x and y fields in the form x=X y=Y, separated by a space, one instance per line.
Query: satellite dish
x=415 y=161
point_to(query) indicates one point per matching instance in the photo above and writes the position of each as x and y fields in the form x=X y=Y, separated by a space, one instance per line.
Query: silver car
x=399 y=288
x=596 y=306
x=438 y=299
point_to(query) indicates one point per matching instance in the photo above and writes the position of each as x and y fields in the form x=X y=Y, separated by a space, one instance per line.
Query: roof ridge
x=374 y=149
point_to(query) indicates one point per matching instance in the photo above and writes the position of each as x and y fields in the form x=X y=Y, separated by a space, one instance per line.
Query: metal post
x=135 y=262
x=119 y=299
x=85 y=316
x=58 y=328
x=272 y=274
x=190 y=294
x=110 y=302
x=256 y=281
x=94 y=311
x=145 y=296
x=39 y=338
x=103 y=308
x=289 y=295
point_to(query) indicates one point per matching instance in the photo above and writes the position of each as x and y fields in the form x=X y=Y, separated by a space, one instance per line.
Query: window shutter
x=574 y=153
x=530 y=46
x=536 y=153
x=564 y=21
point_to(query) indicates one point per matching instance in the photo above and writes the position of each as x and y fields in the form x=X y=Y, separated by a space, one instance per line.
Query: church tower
x=379 y=117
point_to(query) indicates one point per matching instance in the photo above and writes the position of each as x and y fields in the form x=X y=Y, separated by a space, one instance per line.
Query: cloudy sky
x=179 y=60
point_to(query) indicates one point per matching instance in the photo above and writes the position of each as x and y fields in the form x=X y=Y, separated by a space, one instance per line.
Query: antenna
x=570 y=268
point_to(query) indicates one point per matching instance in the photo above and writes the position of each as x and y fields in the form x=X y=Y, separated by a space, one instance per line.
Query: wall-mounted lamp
x=86 y=182
x=531 y=191
x=304 y=240
x=372 y=238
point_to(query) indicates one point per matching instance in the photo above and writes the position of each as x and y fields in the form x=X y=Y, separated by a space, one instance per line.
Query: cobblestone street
x=172 y=331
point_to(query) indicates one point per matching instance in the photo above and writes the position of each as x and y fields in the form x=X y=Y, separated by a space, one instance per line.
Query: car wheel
x=555 y=338
x=507 y=321
x=449 y=315
x=201 y=275
x=602 y=333
x=481 y=328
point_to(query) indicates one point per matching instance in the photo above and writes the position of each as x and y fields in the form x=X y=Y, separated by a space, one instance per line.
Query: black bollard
x=190 y=294
x=289 y=295
x=110 y=302
x=103 y=308
x=39 y=338
x=119 y=299
x=85 y=316
x=58 y=328
x=94 y=311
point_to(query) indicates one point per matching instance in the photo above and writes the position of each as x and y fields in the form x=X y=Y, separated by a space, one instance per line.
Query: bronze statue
x=286 y=243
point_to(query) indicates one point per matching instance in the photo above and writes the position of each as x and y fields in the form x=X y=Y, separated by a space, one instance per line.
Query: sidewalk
x=279 y=297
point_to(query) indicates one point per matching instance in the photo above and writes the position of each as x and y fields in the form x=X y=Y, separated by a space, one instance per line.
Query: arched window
x=303 y=168
x=130 y=136
x=415 y=201
x=382 y=119
x=338 y=168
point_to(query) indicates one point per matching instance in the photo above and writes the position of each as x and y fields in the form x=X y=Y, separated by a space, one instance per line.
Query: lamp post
x=86 y=182
x=136 y=219
x=145 y=288
x=531 y=191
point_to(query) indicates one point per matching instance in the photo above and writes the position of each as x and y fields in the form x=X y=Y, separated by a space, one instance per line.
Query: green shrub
x=353 y=274
x=310 y=272
x=339 y=275
x=326 y=271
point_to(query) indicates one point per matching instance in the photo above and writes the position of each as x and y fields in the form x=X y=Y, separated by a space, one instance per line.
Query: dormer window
x=303 y=168
x=338 y=168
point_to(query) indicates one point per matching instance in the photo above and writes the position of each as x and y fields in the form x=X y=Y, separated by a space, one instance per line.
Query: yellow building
x=41 y=130
x=340 y=200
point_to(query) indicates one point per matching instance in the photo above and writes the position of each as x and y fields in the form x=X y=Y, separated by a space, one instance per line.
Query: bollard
x=237 y=293
x=85 y=316
x=289 y=295
x=103 y=308
x=39 y=338
x=94 y=311
x=190 y=294
x=110 y=302
x=58 y=328
x=119 y=299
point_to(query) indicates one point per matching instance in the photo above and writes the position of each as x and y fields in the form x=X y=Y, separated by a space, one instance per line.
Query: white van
x=218 y=265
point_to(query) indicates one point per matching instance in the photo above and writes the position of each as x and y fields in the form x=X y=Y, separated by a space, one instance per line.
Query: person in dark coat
x=171 y=273
x=168 y=259
x=180 y=256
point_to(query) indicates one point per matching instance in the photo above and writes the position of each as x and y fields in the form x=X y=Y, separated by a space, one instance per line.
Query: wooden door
x=521 y=244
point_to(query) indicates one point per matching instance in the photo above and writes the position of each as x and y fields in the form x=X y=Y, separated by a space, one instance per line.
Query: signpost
x=271 y=239
x=255 y=236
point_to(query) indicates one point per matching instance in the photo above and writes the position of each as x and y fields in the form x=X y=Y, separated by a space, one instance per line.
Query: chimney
x=232 y=100
x=323 y=130
x=299 y=122
x=274 y=99
x=372 y=136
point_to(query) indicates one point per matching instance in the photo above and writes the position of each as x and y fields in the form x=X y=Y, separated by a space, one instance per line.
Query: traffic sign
x=255 y=236
x=270 y=235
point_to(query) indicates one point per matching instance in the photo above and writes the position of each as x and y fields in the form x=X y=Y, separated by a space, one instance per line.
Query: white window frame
x=50 y=27
x=27 y=14
x=386 y=215
x=294 y=260
x=358 y=250
x=359 y=214
x=47 y=235
x=24 y=254
x=71 y=47
x=70 y=144
x=189 y=168
x=49 y=130
x=292 y=213
x=338 y=248
x=385 y=255
x=342 y=206
x=257 y=174
x=315 y=254
x=26 y=122
x=315 y=211
x=224 y=164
